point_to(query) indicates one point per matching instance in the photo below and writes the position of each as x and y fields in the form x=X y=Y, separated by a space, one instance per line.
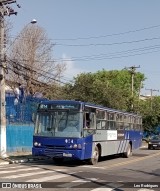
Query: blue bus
x=84 y=131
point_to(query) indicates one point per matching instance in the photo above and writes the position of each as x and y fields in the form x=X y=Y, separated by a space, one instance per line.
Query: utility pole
x=152 y=90
x=132 y=71
x=5 y=10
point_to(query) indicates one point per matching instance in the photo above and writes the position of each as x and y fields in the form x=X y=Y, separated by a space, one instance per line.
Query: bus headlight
x=75 y=146
x=35 y=144
x=79 y=146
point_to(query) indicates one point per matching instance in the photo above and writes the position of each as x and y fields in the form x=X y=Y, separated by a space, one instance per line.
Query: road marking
x=81 y=180
x=54 y=177
x=102 y=189
x=74 y=183
x=145 y=189
x=123 y=163
x=33 y=173
x=10 y=167
x=111 y=185
x=23 y=169
x=26 y=174
x=132 y=161
x=112 y=189
x=88 y=166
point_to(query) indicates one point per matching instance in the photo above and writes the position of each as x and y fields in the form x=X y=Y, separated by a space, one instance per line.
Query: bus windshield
x=64 y=123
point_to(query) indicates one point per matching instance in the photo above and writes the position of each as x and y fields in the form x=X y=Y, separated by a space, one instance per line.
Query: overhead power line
x=99 y=44
x=37 y=82
x=112 y=55
x=109 y=35
x=105 y=35
x=38 y=71
x=117 y=53
x=110 y=44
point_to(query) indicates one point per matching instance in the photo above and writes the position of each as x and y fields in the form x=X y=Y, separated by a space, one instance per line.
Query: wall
x=19 y=138
x=20 y=127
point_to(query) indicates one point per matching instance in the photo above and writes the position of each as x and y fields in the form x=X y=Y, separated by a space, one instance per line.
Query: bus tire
x=58 y=160
x=128 y=153
x=95 y=156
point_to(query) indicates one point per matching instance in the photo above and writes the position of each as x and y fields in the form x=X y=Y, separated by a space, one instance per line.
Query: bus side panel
x=135 y=137
x=88 y=147
x=109 y=142
x=114 y=147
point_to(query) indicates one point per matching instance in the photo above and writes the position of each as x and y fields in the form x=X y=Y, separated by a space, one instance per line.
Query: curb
x=4 y=163
x=17 y=161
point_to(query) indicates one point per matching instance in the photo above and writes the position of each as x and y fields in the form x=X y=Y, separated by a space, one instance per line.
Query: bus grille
x=55 y=147
x=53 y=153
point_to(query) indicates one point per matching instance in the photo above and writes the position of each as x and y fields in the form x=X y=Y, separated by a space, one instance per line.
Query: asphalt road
x=140 y=172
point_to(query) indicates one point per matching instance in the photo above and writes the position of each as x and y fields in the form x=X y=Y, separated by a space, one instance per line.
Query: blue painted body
x=64 y=146
x=55 y=147
x=135 y=137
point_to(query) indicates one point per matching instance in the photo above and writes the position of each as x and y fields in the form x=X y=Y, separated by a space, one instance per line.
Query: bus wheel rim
x=95 y=155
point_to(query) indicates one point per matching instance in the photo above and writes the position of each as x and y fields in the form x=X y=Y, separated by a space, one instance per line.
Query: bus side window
x=98 y=124
x=87 y=121
x=111 y=121
x=92 y=120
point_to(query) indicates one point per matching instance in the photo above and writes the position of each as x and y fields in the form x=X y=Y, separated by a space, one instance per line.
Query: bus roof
x=86 y=104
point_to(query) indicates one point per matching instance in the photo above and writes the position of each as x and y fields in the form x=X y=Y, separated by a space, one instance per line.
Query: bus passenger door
x=88 y=134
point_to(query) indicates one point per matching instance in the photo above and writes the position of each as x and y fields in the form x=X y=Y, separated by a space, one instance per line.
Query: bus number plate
x=67 y=155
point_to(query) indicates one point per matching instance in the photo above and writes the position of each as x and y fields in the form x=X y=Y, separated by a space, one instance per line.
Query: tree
x=31 y=63
x=108 y=88
x=151 y=115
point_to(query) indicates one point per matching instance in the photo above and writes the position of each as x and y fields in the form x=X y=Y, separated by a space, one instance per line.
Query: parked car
x=154 y=142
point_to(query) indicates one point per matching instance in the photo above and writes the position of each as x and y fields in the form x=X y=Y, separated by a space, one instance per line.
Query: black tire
x=58 y=160
x=149 y=147
x=95 y=156
x=129 y=152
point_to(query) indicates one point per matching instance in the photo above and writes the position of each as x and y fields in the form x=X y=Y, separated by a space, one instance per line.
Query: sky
x=91 y=35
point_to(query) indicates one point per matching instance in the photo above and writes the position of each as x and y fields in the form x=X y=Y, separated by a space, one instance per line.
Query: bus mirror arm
x=34 y=117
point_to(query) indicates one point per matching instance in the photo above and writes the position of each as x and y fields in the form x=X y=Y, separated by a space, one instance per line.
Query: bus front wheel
x=95 y=156
x=58 y=160
x=128 y=153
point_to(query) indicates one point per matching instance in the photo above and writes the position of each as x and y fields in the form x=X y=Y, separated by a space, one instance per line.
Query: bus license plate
x=67 y=155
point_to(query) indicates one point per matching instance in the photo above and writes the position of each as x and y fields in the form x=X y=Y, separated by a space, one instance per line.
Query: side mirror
x=34 y=117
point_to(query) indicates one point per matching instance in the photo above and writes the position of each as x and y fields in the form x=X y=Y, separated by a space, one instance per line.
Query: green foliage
x=108 y=88
x=150 y=111
x=112 y=89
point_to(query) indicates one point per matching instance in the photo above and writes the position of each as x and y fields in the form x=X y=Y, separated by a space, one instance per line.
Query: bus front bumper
x=56 y=153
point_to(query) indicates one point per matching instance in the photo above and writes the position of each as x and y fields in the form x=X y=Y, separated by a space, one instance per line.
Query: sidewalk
x=20 y=157
x=16 y=157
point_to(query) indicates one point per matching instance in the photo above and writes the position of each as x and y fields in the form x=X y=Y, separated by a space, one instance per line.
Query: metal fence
x=20 y=110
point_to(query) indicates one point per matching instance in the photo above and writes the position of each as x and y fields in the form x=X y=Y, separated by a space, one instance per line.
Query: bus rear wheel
x=128 y=153
x=95 y=156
